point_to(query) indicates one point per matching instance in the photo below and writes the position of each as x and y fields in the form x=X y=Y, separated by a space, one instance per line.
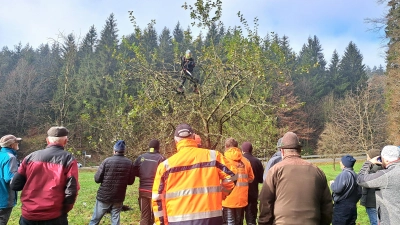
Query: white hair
x=177 y=139
x=390 y=153
x=57 y=140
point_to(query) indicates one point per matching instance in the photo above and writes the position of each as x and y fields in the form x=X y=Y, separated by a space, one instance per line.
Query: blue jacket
x=8 y=167
x=277 y=157
x=345 y=187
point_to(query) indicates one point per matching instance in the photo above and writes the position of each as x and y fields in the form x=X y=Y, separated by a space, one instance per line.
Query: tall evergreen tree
x=107 y=64
x=166 y=49
x=352 y=69
x=150 y=42
x=335 y=83
x=89 y=42
x=212 y=37
x=64 y=97
x=392 y=30
x=178 y=39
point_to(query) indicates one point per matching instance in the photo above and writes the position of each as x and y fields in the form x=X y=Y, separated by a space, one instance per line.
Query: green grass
x=83 y=209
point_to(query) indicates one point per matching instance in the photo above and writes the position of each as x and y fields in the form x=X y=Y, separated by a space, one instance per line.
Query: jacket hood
x=233 y=154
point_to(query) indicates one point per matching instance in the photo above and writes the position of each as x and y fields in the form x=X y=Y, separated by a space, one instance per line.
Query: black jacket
x=188 y=64
x=145 y=167
x=115 y=173
x=258 y=169
x=368 y=194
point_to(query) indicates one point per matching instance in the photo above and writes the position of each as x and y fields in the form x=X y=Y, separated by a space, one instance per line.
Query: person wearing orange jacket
x=234 y=204
x=189 y=186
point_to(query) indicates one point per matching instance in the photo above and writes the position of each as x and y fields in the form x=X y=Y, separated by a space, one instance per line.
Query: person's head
x=230 y=143
x=389 y=154
x=188 y=54
x=10 y=141
x=119 y=147
x=247 y=147
x=347 y=161
x=197 y=138
x=373 y=153
x=278 y=144
x=183 y=131
x=290 y=144
x=154 y=146
x=57 y=136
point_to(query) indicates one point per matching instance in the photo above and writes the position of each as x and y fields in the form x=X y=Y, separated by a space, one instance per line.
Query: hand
x=375 y=160
x=331 y=182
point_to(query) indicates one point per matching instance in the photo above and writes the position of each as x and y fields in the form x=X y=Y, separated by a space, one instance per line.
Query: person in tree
x=187 y=64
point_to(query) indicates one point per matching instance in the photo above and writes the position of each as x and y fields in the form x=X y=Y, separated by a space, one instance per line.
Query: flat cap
x=57 y=132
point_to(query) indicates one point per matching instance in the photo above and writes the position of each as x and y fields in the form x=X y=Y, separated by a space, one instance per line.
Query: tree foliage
x=105 y=88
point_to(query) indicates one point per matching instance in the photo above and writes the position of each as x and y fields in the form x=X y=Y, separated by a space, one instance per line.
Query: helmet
x=188 y=54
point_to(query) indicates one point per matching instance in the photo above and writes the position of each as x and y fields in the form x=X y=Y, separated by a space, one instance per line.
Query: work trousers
x=62 y=220
x=232 y=216
x=147 y=216
x=250 y=213
x=344 y=213
x=5 y=215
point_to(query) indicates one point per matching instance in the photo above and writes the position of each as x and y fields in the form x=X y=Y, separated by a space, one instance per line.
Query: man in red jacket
x=48 y=179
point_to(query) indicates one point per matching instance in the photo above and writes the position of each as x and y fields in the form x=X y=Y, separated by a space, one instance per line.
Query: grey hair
x=57 y=140
x=177 y=139
x=390 y=153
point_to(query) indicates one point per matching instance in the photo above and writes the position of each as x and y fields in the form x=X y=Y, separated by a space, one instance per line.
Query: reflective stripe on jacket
x=239 y=195
x=188 y=186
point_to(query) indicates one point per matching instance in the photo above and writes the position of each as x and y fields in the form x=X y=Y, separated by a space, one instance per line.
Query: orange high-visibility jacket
x=239 y=195
x=188 y=186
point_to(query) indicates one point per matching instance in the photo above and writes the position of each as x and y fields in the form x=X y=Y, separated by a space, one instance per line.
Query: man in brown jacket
x=295 y=191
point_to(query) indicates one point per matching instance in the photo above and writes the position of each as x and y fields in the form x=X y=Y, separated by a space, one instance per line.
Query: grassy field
x=82 y=212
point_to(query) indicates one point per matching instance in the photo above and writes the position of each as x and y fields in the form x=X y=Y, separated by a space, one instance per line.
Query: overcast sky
x=334 y=22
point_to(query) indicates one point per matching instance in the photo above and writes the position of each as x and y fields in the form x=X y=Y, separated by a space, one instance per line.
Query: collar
x=54 y=144
x=291 y=156
x=186 y=143
x=396 y=162
x=10 y=150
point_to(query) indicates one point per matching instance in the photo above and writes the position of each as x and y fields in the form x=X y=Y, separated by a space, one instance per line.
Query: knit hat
x=374 y=153
x=348 y=161
x=279 y=143
x=183 y=130
x=154 y=145
x=8 y=140
x=247 y=147
x=119 y=146
x=290 y=141
x=390 y=152
x=57 y=132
